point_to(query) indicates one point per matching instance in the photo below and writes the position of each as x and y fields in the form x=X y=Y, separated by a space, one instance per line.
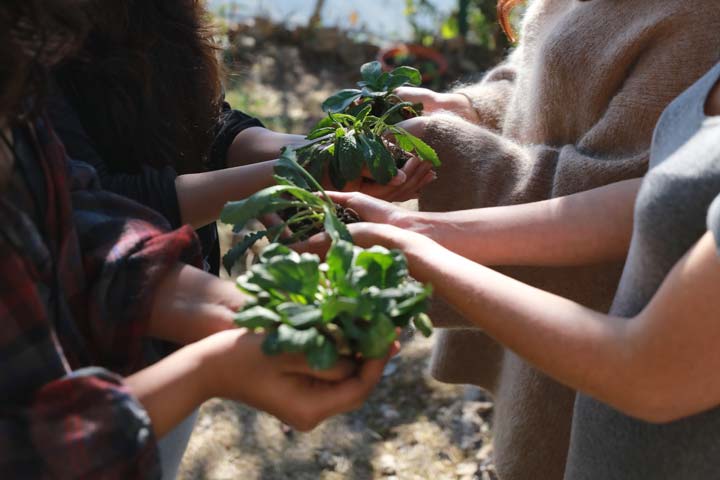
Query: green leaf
x=320 y=132
x=423 y=324
x=336 y=306
x=256 y=317
x=271 y=344
x=334 y=172
x=301 y=277
x=413 y=74
x=424 y=151
x=231 y=258
x=334 y=227
x=300 y=316
x=404 y=142
x=379 y=161
x=340 y=100
x=278 y=250
x=339 y=260
x=371 y=72
x=322 y=354
x=377 y=339
x=349 y=156
x=292 y=340
x=268 y=200
x=397 y=81
x=362 y=115
x=366 y=92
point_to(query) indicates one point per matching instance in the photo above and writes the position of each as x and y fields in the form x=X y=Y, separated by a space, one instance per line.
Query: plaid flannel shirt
x=79 y=268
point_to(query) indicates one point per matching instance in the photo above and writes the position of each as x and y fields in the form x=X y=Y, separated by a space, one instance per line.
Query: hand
x=285 y=385
x=404 y=186
x=372 y=209
x=435 y=102
x=191 y=304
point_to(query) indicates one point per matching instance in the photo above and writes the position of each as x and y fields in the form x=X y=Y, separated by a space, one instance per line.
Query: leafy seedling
x=303 y=212
x=352 y=304
x=377 y=89
x=356 y=132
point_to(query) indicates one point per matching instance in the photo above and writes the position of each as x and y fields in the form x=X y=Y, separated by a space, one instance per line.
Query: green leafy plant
x=304 y=213
x=353 y=303
x=356 y=132
x=377 y=89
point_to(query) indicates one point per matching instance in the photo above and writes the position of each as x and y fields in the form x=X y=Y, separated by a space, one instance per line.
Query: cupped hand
x=406 y=185
x=371 y=209
x=285 y=385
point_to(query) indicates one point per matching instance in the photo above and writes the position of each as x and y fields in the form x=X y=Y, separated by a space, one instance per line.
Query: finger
x=272 y=219
x=422 y=176
x=341 y=198
x=411 y=166
x=348 y=395
x=317 y=244
x=398 y=179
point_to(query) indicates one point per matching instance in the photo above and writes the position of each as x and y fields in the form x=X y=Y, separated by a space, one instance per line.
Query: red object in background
x=414 y=56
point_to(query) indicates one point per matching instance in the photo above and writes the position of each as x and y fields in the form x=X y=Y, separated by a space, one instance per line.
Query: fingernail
x=398 y=179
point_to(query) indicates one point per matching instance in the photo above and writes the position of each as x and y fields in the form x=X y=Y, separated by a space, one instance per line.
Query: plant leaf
x=349 y=156
x=413 y=74
x=423 y=324
x=339 y=259
x=256 y=317
x=292 y=340
x=322 y=354
x=235 y=253
x=371 y=72
x=379 y=161
x=334 y=227
x=300 y=316
x=340 y=100
x=424 y=151
x=378 y=337
x=268 y=200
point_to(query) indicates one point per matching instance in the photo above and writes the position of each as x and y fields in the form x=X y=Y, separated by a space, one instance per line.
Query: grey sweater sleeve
x=152 y=187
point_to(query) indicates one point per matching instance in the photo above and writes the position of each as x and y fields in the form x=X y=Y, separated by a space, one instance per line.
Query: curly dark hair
x=34 y=36
x=147 y=83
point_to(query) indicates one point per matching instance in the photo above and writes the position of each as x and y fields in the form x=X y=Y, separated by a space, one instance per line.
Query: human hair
x=504 y=8
x=34 y=36
x=146 y=84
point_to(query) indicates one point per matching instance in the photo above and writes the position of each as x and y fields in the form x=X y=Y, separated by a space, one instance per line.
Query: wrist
x=222 y=358
x=462 y=104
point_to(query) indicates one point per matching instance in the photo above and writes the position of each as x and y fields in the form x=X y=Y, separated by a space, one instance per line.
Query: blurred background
x=284 y=57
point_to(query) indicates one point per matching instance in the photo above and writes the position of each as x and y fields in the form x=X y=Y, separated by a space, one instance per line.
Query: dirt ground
x=412 y=428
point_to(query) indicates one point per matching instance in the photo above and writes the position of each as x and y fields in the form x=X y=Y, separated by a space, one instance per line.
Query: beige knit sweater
x=572 y=108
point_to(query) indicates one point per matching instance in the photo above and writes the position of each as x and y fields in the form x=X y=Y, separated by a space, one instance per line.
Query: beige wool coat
x=572 y=108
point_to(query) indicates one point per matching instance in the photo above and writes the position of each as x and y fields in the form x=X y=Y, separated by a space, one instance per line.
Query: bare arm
x=258 y=144
x=580 y=229
x=591 y=352
x=194 y=306
x=202 y=196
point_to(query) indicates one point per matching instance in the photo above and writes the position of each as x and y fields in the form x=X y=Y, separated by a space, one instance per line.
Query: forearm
x=172 y=388
x=202 y=196
x=578 y=347
x=585 y=228
x=665 y=364
x=191 y=305
x=257 y=144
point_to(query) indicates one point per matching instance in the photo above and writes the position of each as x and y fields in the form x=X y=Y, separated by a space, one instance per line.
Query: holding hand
x=285 y=385
x=434 y=102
